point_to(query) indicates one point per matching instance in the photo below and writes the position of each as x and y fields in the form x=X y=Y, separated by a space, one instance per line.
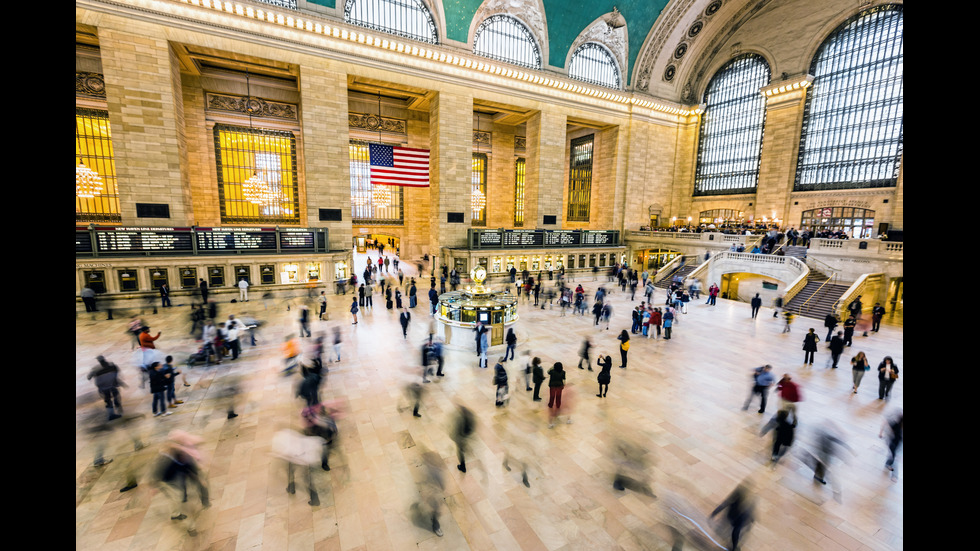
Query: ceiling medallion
x=680 y=50
x=670 y=72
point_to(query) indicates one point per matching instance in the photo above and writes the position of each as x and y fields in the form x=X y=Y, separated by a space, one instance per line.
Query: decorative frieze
x=89 y=84
x=255 y=107
x=370 y=121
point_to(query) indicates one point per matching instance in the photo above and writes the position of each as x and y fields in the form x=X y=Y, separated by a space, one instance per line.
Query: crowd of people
x=315 y=439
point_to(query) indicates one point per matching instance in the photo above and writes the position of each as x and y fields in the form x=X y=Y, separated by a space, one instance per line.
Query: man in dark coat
x=404 y=318
x=756 y=304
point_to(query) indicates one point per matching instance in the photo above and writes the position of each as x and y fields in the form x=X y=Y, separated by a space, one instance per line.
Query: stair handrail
x=669 y=268
x=822 y=266
x=806 y=304
x=856 y=289
x=797 y=285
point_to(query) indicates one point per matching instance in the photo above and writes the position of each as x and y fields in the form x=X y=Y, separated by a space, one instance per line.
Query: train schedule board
x=227 y=240
x=137 y=240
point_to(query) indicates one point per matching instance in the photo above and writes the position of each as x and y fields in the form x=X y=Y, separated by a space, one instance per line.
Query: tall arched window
x=407 y=18
x=852 y=126
x=593 y=63
x=731 y=128
x=506 y=39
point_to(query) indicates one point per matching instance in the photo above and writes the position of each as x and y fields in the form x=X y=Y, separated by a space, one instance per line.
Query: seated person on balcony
x=756 y=250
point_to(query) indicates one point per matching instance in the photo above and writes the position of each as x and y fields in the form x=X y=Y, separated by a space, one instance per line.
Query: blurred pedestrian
x=739 y=512
x=108 y=381
x=146 y=340
x=500 y=379
x=605 y=368
x=304 y=321
x=290 y=351
x=323 y=304
x=877 y=313
x=179 y=465
x=511 y=341
x=302 y=451
x=836 y=348
x=896 y=429
x=463 y=429
x=789 y=395
x=158 y=388
x=783 y=435
x=584 y=354
x=762 y=379
x=830 y=322
x=431 y=492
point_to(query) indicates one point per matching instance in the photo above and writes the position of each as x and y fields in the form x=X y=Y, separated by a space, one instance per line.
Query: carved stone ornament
x=674 y=18
x=520 y=143
x=253 y=106
x=89 y=84
x=530 y=12
x=481 y=138
x=374 y=122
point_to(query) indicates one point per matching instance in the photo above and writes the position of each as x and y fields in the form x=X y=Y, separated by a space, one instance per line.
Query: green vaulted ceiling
x=566 y=19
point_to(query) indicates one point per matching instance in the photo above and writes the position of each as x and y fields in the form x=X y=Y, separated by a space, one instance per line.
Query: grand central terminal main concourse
x=489 y=274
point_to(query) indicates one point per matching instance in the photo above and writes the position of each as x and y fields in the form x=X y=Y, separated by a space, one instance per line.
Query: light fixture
x=88 y=183
x=255 y=190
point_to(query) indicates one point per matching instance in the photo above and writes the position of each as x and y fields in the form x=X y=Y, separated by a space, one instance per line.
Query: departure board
x=599 y=238
x=520 y=239
x=296 y=239
x=562 y=238
x=235 y=239
x=83 y=242
x=489 y=239
x=122 y=240
x=523 y=238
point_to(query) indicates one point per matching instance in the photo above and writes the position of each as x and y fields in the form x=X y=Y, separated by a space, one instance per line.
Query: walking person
x=482 y=343
x=500 y=379
x=849 y=324
x=158 y=388
x=605 y=374
x=354 y=310
x=830 y=322
x=810 y=341
x=859 y=364
x=783 y=435
x=165 y=294
x=463 y=429
x=877 y=313
x=836 y=348
x=887 y=375
x=404 y=319
x=171 y=372
x=537 y=377
x=713 y=294
x=204 y=290
x=556 y=383
x=896 y=428
x=624 y=346
x=789 y=395
x=756 y=304
x=323 y=304
x=304 y=321
x=178 y=466
x=739 y=512
x=511 y=343
x=584 y=354
x=107 y=381
x=762 y=379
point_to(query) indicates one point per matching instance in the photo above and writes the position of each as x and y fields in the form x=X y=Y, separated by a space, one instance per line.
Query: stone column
x=609 y=172
x=780 y=148
x=545 y=170
x=143 y=93
x=326 y=152
x=500 y=176
x=450 y=169
x=417 y=201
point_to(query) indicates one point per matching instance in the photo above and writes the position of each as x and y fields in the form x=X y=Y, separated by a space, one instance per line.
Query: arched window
x=593 y=63
x=407 y=18
x=852 y=126
x=506 y=39
x=731 y=128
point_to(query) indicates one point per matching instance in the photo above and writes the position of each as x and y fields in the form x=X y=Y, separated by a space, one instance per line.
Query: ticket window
x=602 y=259
x=290 y=273
x=461 y=266
x=188 y=278
x=592 y=259
x=243 y=272
x=558 y=263
x=267 y=274
x=535 y=263
x=340 y=270
x=510 y=263
x=216 y=276
x=158 y=276
x=498 y=265
x=128 y=280
x=95 y=279
x=581 y=261
x=571 y=261
x=483 y=262
x=523 y=264
x=547 y=262
x=313 y=271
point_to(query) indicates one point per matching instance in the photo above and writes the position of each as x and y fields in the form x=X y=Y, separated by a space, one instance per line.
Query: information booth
x=477 y=303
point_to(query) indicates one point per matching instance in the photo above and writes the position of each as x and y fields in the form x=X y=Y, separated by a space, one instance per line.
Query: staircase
x=682 y=272
x=817 y=298
x=798 y=252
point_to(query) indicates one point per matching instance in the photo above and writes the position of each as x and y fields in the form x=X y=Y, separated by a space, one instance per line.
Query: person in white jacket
x=243 y=290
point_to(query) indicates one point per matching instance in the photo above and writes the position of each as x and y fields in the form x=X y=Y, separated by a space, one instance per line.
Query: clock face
x=479 y=274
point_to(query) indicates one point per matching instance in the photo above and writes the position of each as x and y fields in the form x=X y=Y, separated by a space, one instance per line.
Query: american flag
x=399 y=166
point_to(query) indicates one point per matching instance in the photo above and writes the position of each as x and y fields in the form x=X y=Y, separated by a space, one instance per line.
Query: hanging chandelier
x=381 y=196
x=478 y=200
x=255 y=190
x=358 y=199
x=88 y=183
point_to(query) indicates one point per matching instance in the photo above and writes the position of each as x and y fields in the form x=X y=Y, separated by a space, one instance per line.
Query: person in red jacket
x=146 y=341
x=789 y=395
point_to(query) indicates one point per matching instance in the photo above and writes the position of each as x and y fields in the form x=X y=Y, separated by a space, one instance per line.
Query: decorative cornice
x=255 y=107
x=89 y=84
x=376 y=123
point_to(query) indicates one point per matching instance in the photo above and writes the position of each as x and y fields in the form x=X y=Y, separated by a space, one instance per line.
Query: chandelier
x=256 y=191
x=381 y=196
x=88 y=183
x=478 y=200
x=358 y=199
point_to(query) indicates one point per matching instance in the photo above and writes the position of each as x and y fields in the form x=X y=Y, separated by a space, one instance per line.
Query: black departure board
x=235 y=239
x=296 y=239
x=123 y=240
x=83 y=242
x=520 y=239
x=126 y=241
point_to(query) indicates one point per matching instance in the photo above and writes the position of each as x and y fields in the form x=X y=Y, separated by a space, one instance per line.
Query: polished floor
x=678 y=404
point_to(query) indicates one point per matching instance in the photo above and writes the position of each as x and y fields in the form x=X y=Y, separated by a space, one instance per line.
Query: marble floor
x=679 y=401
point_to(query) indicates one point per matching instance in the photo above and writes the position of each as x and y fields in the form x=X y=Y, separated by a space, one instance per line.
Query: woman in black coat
x=605 y=365
x=783 y=437
x=810 y=346
x=624 y=346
